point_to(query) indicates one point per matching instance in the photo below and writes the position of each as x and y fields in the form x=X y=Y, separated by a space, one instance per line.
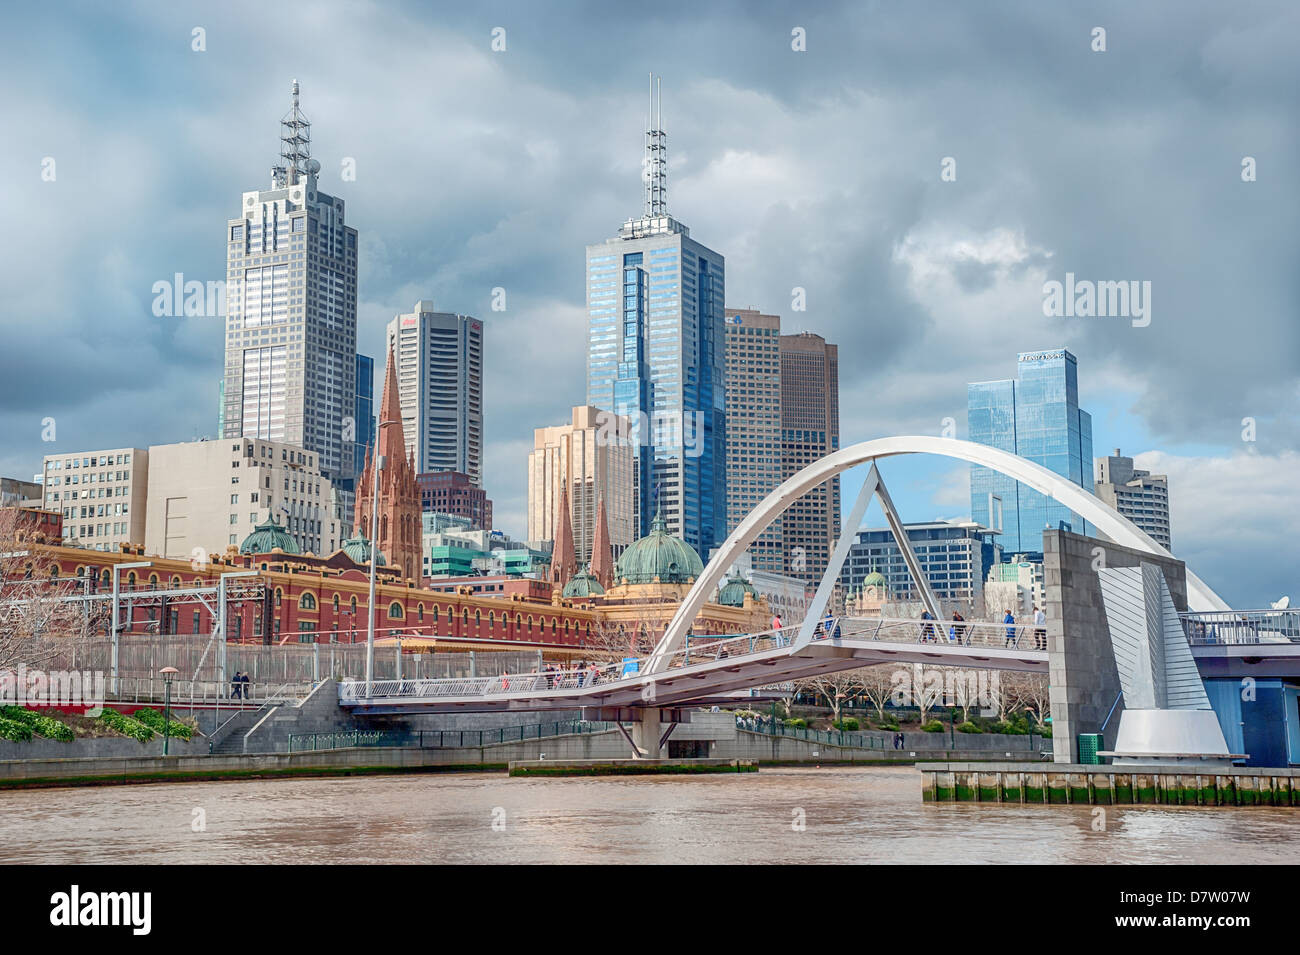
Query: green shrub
x=849 y=724
x=797 y=723
x=155 y=721
x=968 y=727
x=1008 y=729
x=934 y=726
x=39 y=724
x=12 y=729
x=126 y=725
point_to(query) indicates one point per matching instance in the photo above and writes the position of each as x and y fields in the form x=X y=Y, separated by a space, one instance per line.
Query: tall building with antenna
x=291 y=311
x=655 y=354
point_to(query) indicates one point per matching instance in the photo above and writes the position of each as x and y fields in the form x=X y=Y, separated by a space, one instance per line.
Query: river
x=848 y=815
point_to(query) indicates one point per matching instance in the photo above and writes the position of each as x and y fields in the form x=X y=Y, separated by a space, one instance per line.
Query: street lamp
x=379 y=463
x=168 y=673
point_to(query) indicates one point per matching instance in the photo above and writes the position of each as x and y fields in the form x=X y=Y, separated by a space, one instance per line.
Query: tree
x=878 y=686
x=1030 y=692
x=836 y=689
x=37 y=621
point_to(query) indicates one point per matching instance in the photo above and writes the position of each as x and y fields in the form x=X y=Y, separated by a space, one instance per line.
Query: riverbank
x=354 y=761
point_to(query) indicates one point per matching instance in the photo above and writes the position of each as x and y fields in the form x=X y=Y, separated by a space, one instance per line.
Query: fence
x=836 y=738
x=1242 y=626
x=197 y=657
x=444 y=739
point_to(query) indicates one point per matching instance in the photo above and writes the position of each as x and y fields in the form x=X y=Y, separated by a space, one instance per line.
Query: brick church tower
x=399 y=530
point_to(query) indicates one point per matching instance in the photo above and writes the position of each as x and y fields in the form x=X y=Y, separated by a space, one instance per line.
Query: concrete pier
x=1079 y=784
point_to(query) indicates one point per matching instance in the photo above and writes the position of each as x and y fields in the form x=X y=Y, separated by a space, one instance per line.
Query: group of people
x=239 y=686
x=930 y=628
x=1040 y=629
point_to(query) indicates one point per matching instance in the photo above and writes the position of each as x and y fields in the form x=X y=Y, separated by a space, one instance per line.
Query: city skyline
x=984 y=253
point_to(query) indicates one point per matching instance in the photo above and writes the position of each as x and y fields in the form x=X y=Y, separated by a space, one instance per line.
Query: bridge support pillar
x=647 y=732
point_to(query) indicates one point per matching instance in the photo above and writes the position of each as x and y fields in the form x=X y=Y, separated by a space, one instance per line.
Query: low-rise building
x=101 y=495
x=206 y=496
x=955 y=557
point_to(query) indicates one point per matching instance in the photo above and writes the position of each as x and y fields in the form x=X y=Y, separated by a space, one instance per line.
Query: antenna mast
x=295 y=145
x=656 y=162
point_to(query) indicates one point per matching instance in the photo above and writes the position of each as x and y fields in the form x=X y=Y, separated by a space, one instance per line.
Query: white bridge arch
x=1109 y=521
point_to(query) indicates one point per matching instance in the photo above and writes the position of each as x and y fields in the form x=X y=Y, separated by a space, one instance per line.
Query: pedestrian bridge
x=708 y=670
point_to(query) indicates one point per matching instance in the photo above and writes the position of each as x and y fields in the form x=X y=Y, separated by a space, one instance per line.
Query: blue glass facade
x=364 y=415
x=1036 y=416
x=655 y=354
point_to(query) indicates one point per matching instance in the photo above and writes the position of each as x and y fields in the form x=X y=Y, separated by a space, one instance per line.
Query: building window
x=307 y=602
x=394 y=611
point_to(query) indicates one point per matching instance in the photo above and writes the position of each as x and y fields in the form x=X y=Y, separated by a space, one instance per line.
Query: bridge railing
x=1242 y=627
x=444 y=739
x=964 y=633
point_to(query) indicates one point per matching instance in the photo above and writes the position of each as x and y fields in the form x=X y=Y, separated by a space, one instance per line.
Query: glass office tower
x=291 y=311
x=655 y=354
x=1036 y=416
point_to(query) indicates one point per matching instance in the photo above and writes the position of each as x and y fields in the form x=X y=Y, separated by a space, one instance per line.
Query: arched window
x=478 y=617
x=519 y=621
x=383 y=529
x=419 y=613
x=450 y=618
x=105 y=578
x=352 y=605
x=176 y=582
x=54 y=572
x=130 y=579
x=278 y=594
x=336 y=605
x=395 y=611
x=492 y=619
x=530 y=623
x=464 y=616
x=153 y=581
x=553 y=625
x=306 y=602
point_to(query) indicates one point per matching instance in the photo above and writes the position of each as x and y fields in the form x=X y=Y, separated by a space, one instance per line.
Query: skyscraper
x=810 y=430
x=1037 y=416
x=753 y=358
x=440 y=379
x=291 y=304
x=1139 y=495
x=655 y=356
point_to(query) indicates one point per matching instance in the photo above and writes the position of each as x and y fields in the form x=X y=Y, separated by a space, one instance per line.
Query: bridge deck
x=719 y=669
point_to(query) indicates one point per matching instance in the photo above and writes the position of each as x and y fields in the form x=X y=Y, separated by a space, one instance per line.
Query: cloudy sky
x=817 y=169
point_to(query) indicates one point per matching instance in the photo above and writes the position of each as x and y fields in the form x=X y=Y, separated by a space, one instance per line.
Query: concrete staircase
x=229 y=739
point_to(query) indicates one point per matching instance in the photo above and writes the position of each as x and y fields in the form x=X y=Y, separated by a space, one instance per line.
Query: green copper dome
x=874 y=579
x=733 y=591
x=266 y=537
x=659 y=555
x=583 y=585
x=358 y=548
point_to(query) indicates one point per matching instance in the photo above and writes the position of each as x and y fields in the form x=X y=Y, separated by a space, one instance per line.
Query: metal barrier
x=1242 y=627
x=444 y=739
x=836 y=738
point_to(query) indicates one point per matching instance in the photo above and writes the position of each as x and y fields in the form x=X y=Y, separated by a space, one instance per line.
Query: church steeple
x=602 y=553
x=563 y=558
x=397 y=530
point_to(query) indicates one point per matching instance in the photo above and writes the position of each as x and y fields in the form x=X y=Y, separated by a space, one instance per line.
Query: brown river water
x=849 y=815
